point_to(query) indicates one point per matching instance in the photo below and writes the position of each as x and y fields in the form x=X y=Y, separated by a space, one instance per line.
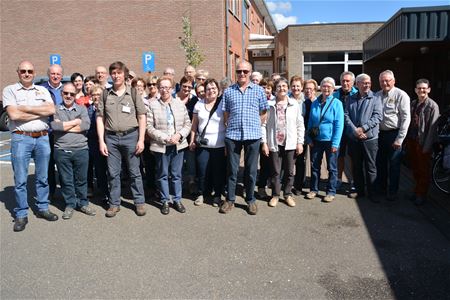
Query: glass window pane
x=356 y=69
x=355 y=56
x=323 y=56
x=319 y=72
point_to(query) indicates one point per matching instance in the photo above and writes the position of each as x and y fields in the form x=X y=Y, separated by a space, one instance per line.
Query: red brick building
x=90 y=33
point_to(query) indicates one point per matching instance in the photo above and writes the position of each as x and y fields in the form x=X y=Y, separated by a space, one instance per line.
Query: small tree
x=194 y=57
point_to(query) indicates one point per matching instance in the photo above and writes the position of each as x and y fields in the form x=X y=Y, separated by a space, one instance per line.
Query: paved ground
x=343 y=250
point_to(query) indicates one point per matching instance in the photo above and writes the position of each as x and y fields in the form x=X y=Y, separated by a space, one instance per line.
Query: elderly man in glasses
x=70 y=125
x=28 y=107
x=244 y=105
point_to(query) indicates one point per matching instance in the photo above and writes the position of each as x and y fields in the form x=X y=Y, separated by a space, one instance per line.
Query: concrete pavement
x=345 y=249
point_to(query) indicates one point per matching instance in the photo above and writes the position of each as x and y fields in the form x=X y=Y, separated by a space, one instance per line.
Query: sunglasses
x=151 y=84
x=202 y=79
x=69 y=94
x=26 y=71
x=242 y=72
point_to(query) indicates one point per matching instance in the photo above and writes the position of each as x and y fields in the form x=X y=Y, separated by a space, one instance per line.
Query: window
x=232 y=6
x=237 y=4
x=318 y=65
x=281 y=64
x=246 y=13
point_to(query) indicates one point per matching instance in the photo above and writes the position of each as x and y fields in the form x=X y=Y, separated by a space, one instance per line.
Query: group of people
x=196 y=129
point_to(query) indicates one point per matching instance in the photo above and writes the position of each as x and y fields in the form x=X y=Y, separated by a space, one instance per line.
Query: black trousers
x=363 y=155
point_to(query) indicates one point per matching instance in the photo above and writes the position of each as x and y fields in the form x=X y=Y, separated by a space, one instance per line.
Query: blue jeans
x=124 y=147
x=211 y=166
x=251 y=153
x=388 y=162
x=23 y=148
x=72 y=168
x=316 y=161
x=169 y=164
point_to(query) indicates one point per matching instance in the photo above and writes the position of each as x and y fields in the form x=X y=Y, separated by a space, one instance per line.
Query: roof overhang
x=410 y=31
x=262 y=8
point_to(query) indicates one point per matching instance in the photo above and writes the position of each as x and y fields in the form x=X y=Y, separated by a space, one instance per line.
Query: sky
x=287 y=12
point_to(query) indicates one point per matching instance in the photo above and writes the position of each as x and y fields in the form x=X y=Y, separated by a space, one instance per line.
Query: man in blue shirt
x=244 y=105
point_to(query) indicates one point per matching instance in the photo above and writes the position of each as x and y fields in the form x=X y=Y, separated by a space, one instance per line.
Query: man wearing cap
x=28 y=107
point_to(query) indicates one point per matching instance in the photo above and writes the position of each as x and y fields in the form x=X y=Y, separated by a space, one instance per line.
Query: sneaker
x=226 y=207
x=88 y=210
x=112 y=211
x=216 y=201
x=198 y=201
x=311 y=195
x=262 y=193
x=353 y=195
x=252 y=208
x=328 y=198
x=289 y=201
x=68 y=213
x=274 y=201
x=140 y=210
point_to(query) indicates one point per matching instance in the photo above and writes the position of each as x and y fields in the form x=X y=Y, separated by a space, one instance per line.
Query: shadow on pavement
x=416 y=265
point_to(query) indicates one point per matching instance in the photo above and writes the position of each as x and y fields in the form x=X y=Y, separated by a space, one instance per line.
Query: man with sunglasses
x=70 y=125
x=28 y=107
x=244 y=105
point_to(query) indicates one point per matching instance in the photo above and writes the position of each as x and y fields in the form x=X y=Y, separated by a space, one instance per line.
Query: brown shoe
x=274 y=201
x=112 y=211
x=226 y=207
x=252 y=208
x=140 y=210
x=289 y=201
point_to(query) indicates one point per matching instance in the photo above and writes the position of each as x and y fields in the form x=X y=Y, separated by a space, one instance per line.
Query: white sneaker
x=199 y=200
x=274 y=201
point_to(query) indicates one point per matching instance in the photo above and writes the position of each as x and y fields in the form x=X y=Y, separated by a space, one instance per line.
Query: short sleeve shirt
x=120 y=112
x=243 y=108
x=16 y=95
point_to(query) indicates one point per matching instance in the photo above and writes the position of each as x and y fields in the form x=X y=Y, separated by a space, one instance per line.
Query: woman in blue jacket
x=325 y=127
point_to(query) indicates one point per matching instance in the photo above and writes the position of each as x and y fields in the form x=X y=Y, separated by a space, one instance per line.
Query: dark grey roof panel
x=419 y=24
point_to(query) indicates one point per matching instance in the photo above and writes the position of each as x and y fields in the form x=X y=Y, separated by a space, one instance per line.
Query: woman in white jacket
x=282 y=136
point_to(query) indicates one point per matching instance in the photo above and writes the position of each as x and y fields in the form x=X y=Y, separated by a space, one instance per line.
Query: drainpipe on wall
x=243 y=31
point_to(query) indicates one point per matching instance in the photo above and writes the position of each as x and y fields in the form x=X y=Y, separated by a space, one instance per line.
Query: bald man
x=28 y=107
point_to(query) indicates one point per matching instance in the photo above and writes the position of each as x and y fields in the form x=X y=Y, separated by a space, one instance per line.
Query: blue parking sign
x=148 y=61
x=55 y=59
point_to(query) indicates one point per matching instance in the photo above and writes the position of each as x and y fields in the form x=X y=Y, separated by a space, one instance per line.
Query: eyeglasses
x=26 y=71
x=69 y=93
x=242 y=72
x=186 y=86
x=200 y=78
x=168 y=73
x=164 y=88
x=151 y=84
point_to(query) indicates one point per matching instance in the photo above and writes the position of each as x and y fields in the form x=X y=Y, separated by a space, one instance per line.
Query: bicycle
x=441 y=160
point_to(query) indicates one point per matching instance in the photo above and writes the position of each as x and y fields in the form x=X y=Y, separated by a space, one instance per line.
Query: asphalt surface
x=348 y=249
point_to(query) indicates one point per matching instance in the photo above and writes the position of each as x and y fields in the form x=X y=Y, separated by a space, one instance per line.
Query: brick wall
x=321 y=38
x=91 y=33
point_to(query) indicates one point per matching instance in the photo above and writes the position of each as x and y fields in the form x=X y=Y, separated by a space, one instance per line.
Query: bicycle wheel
x=441 y=176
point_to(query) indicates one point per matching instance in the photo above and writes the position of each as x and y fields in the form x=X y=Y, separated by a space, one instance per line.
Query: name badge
x=126 y=109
